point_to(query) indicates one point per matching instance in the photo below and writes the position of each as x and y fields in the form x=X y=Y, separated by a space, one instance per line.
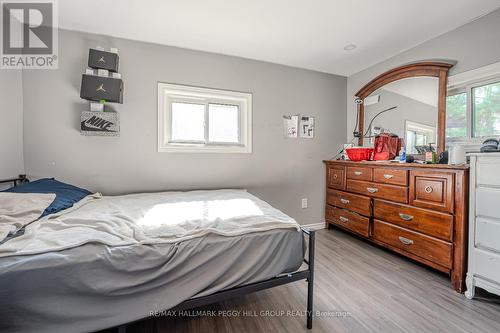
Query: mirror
x=412 y=112
x=409 y=101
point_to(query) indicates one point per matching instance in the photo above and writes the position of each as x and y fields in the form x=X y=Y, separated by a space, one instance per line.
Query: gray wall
x=11 y=124
x=473 y=45
x=280 y=171
x=408 y=109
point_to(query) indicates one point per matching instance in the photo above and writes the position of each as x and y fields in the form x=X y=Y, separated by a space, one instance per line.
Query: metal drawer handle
x=344 y=201
x=343 y=219
x=405 y=241
x=428 y=189
x=387 y=176
x=335 y=176
x=358 y=173
x=372 y=189
x=406 y=217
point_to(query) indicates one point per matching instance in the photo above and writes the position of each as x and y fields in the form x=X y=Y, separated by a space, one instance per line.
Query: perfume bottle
x=402 y=155
x=402 y=152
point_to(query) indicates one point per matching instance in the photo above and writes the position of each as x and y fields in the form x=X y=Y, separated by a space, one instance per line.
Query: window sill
x=201 y=148
x=469 y=142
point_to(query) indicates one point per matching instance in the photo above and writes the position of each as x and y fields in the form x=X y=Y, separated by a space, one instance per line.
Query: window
x=193 y=119
x=456 y=116
x=486 y=110
x=473 y=112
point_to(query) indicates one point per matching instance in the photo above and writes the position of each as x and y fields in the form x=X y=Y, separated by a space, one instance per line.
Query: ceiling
x=307 y=34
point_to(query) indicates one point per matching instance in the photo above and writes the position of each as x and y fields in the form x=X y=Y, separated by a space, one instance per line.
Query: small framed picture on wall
x=306 y=127
x=290 y=126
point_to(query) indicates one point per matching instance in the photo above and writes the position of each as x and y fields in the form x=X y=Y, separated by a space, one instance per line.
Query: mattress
x=96 y=286
x=148 y=219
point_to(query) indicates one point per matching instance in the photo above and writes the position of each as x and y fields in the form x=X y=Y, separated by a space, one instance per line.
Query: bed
x=70 y=283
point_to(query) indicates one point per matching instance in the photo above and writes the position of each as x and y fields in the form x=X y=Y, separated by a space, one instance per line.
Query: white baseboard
x=315 y=226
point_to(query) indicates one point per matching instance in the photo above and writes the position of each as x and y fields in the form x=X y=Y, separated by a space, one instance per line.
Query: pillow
x=20 y=209
x=66 y=195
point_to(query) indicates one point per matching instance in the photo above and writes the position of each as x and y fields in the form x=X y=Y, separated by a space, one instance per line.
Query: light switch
x=304 y=203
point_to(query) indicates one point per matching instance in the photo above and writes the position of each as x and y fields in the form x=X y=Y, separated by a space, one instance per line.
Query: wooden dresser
x=419 y=211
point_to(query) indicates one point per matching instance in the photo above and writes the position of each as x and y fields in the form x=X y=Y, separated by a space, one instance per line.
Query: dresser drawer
x=488 y=202
x=335 y=177
x=433 y=190
x=383 y=191
x=432 y=249
x=486 y=264
x=487 y=171
x=431 y=223
x=356 y=203
x=390 y=176
x=487 y=233
x=359 y=173
x=348 y=220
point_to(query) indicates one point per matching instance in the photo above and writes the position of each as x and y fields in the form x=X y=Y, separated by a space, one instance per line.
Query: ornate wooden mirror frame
x=432 y=69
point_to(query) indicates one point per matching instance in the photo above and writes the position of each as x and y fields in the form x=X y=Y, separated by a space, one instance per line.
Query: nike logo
x=95 y=123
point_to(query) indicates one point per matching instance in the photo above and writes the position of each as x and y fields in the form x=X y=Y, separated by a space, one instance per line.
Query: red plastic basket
x=359 y=154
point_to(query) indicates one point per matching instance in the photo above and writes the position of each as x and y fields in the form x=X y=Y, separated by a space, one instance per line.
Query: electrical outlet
x=304 y=203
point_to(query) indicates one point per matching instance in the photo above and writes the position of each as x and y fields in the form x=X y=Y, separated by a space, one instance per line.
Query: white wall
x=473 y=45
x=281 y=171
x=11 y=124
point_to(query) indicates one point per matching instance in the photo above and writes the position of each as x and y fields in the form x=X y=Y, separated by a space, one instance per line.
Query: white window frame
x=465 y=83
x=169 y=93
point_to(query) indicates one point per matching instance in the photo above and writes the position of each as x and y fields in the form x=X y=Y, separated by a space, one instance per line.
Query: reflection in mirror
x=415 y=117
x=418 y=137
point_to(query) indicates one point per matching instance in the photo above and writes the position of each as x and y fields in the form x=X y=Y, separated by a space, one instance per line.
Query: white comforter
x=20 y=209
x=154 y=218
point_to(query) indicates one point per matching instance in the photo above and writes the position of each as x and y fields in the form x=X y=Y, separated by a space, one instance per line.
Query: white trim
x=473 y=76
x=202 y=148
x=168 y=92
x=315 y=226
x=470 y=146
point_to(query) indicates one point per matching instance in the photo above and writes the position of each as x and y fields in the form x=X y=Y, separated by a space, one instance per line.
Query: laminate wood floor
x=359 y=288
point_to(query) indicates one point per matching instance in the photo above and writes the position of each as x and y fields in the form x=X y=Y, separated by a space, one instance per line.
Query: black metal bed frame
x=15 y=181
x=304 y=274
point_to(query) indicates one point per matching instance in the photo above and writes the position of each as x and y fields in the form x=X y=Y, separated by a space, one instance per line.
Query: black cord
x=354 y=131
x=356 y=127
x=341 y=150
x=378 y=114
